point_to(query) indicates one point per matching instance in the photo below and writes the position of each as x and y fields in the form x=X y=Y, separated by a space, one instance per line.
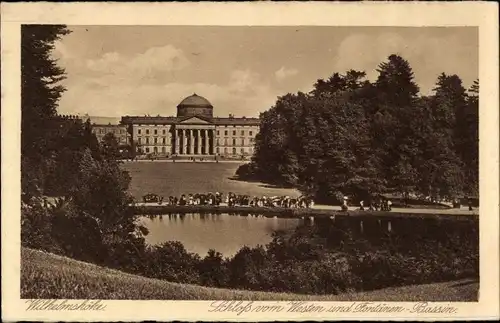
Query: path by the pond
x=316 y=210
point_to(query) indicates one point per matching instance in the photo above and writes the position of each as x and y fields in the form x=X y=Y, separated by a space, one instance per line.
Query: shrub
x=172 y=262
x=213 y=270
x=246 y=267
x=247 y=171
x=36 y=228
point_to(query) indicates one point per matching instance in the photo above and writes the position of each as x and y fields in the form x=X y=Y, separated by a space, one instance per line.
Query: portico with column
x=194 y=140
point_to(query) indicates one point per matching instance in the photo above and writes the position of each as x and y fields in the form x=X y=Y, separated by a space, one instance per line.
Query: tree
x=445 y=137
x=396 y=82
x=91 y=141
x=213 y=270
x=350 y=136
x=470 y=140
x=109 y=147
x=61 y=157
x=276 y=145
x=40 y=91
x=391 y=129
x=319 y=142
x=101 y=191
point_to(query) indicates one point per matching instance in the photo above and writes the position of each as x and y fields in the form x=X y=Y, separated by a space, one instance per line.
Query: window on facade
x=163 y=149
x=156 y=140
x=251 y=133
x=139 y=140
x=164 y=140
x=217 y=141
x=225 y=150
x=243 y=141
x=156 y=132
x=155 y=149
x=234 y=142
x=138 y=131
x=147 y=149
x=234 y=132
x=217 y=132
x=242 y=150
x=225 y=132
x=251 y=139
x=164 y=131
x=217 y=149
x=242 y=132
x=147 y=131
x=234 y=151
x=147 y=140
x=225 y=141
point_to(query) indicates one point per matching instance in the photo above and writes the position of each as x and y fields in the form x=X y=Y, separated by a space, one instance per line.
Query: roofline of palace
x=176 y=120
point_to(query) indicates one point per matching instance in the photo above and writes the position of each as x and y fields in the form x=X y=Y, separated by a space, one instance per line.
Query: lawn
x=175 y=179
x=45 y=276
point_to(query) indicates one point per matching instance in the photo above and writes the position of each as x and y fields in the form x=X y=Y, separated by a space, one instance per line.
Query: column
x=206 y=141
x=177 y=141
x=184 y=141
x=213 y=142
x=198 y=133
x=191 y=141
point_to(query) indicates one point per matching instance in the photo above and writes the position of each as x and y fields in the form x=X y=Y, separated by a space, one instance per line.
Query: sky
x=137 y=70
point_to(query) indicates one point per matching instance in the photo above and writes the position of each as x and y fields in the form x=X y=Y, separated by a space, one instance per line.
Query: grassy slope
x=45 y=275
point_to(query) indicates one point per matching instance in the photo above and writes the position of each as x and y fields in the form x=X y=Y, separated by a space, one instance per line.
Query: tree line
x=356 y=137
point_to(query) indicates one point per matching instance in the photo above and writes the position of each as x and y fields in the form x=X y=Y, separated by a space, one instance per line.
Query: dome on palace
x=195 y=105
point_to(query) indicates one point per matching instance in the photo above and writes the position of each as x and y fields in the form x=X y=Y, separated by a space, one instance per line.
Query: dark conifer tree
x=40 y=91
x=395 y=139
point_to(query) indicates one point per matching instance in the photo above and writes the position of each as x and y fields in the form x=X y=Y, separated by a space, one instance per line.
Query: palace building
x=194 y=132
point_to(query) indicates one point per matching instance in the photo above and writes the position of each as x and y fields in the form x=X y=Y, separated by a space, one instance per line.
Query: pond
x=223 y=232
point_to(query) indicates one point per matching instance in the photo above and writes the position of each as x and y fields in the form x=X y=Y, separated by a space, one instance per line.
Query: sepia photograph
x=254 y=162
x=234 y=164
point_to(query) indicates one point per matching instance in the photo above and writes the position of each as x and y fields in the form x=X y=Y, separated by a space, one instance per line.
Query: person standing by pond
x=344 y=204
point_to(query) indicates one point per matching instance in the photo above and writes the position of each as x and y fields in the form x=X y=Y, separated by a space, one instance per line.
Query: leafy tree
x=91 y=141
x=213 y=270
x=109 y=147
x=172 y=262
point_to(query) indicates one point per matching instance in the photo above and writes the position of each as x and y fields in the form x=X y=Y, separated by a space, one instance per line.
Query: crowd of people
x=232 y=199
x=382 y=204
x=377 y=203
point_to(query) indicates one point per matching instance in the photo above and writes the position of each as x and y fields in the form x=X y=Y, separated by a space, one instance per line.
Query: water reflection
x=223 y=232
